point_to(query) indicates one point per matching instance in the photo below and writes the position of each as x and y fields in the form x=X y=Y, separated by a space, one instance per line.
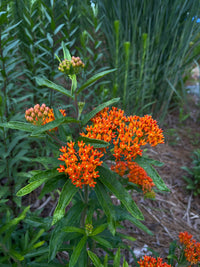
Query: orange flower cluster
x=135 y=174
x=192 y=248
x=81 y=165
x=37 y=114
x=127 y=134
x=40 y=115
x=149 y=261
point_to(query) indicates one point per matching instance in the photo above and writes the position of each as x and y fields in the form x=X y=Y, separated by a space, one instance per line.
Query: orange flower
x=80 y=165
x=149 y=261
x=136 y=174
x=191 y=247
x=127 y=134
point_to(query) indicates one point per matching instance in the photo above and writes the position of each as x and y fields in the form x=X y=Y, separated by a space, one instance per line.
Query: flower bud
x=33 y=115
x=37 y=106
x=39 y=114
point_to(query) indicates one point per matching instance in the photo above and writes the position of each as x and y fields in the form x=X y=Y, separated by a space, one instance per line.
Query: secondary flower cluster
x=40 y=115
x=37 y=114
x=191 y=247
x=72 y=66
x=81 y=164
x=149 y=261
x=127 y=134
x=136 y=174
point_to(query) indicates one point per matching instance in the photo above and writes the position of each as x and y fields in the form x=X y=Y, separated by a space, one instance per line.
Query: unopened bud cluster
x=89 y=228
x=37 y=114
x=70 y=67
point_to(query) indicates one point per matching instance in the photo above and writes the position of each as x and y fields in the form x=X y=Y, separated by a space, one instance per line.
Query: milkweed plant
x=103 y=160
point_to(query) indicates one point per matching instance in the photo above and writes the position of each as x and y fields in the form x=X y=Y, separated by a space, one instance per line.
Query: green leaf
x=147 y=166
x=71 y=229
x=106 y=204
x=67 y=193
x=58 y=235
x=77 y=251
x=109 y=179
x=47 y=174
x=46 y=161
x=96 y=261
x=27 y=127
x=98 y=109
x=128 y=237
x=117 y=257
x=30 y=187
x=35 y=238
x=122 y=214
x=93 y=142
x=16 y=255
x=125 y=263
x=14 y=221
x=53 y=124
x=45 y=82
x=66 y=52
x=74 y=83
x=102 y=241
x=94 y=79
x=99 y=229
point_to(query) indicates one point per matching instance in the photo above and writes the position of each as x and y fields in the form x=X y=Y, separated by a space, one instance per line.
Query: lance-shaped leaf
x=147 y=166
x=122 y=214
x=66 y=52
x=109 y=179
x=96 y=261
x=58 y=235
x=36 y=180
x=102 y=241
x=14 y=221
x=45 y=82
x=30 y=187
x=74 y=83
x=53 y=124
x=91 y=114
x=27 y=127
x=117 y=257
x=72 y=229
x=93 y=142
x=47 y=174
x=77 y=251
x=99 y=229
x=67 y=193
x=106 y=204
x=94 y=79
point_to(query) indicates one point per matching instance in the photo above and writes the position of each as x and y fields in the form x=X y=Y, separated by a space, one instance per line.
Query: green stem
x=127 y=50
x=116 y=27
x=86 y=194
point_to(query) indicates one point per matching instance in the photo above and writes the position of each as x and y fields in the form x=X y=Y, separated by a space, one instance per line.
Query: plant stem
x=86 y=194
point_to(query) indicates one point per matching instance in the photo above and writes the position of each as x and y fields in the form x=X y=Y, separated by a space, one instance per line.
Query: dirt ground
x=178 y=210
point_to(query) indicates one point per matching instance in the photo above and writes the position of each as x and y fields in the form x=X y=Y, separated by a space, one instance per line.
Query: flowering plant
x=105 y=159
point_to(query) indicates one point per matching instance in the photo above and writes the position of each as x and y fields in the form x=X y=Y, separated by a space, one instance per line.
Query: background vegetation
x=150 y=43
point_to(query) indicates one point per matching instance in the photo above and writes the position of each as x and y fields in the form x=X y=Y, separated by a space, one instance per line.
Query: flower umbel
x=191 y=247
x=40 y=115
x=70 y=67
x=80 y=165
x=127 y=134
x=149 y=261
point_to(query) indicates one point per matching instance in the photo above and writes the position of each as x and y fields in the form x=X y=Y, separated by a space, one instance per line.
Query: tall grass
x=159 y=33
